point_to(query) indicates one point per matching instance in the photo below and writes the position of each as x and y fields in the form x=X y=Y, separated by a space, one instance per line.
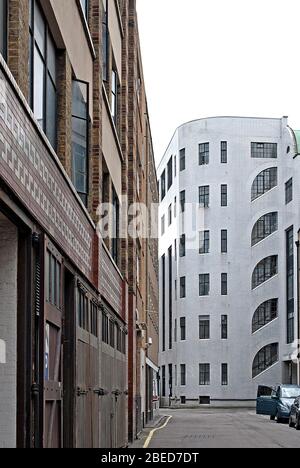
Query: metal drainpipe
x=298 y=310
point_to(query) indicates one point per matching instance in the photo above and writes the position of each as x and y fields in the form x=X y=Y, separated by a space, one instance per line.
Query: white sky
x=206 y=58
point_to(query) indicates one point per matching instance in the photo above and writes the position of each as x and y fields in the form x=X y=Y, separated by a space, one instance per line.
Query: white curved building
x=228 y=302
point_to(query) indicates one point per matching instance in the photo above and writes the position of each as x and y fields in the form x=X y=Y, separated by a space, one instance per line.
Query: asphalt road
x=223 y=429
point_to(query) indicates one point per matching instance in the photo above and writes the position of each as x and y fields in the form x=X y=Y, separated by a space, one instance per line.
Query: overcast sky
x=206 y=58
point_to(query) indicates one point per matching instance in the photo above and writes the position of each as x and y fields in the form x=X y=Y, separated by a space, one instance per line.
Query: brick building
x=72 y=330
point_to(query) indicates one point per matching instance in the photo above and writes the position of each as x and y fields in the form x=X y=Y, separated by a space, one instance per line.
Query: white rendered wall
x=8 y=332
x=239 y=263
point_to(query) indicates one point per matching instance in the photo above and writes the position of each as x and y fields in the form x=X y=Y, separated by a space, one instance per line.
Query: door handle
x=81 y=392
x=100 y=392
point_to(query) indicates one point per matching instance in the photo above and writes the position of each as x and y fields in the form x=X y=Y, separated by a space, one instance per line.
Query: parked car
x=277 y=402
x=295 y=414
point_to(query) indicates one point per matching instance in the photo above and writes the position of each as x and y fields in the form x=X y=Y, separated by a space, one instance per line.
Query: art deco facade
x=70 y=310
x=228 y=303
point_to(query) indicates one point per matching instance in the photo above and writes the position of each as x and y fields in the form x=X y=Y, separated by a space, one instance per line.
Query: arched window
x=264 y=182
x=266 y=358
x=265 y=270
x=266 y=313
x=264 y=227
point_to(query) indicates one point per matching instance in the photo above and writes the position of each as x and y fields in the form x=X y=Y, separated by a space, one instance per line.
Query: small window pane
x=39 y=28
x=39 y=88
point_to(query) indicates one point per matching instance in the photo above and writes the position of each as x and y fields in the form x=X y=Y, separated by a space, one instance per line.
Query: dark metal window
x=83 y=310
x=265 y=226
x=203 y=154
x=94 y=319
x=289 y=191
x=183 y=375
x=163 y=225
x=170 y=380
x=290 y=285
x=264 y=150
x=204 y=374
x=115 y=226
x=264 y=271
x=170 y=173
x=163 y=378
x=204 y=196
x=204 y=242
x=265 y=314
x=224 y=155
x=105 y=42
x=224 y=327
x=204 y=285
x=224 y=377
x=163 y=186
x=182 y=247
x=182 y=201
x=182 y=159
x=264 y=182
x=114 y=96
x=182 y=287
x=163 y=292
x=265 y=359
x=224 y=195
x=80 y=138
x=204 y=327
x=105 y=328
x=224 y=241
x=170 y=255
x=170 y=215
x=112 y=333
x=183 y=329
x=42 y=76
x=224 y=284
x=3 y=28
x=183 y=400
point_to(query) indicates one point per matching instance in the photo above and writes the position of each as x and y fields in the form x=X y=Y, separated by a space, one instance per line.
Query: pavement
x=216 y=428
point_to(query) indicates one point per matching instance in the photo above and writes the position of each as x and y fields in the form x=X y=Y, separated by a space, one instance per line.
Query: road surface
x=221 y=429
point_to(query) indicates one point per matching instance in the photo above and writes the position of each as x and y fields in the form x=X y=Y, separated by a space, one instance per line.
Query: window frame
x=224 y=284
x=224 y=241
x=289 y=191
x=182 y=291
x=269 y=269
x=224 y=327
x=264 y=182
x=260 y=150
x=224 y=195
x=204 y=283
x=267 y=357
x=224 y=152
x=182 y=329
x=204 y=327
x=204 y=242
x=204 y=196
x=204 y=154
x=204 y=375
x=265 y=314
x=182 y=160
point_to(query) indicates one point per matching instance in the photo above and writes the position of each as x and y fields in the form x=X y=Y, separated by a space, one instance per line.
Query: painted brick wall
x=8 y=332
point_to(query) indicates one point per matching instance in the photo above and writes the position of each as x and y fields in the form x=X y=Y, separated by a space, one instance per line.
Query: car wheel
x=279 y=420
x=298 y=424
x=272 y=418
x=291 y=424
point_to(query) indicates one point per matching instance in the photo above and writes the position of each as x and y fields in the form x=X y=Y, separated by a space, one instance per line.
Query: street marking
x=150 y=436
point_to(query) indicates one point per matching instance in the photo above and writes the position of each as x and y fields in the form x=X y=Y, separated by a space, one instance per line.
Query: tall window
x=290 y=286
x=182 y=287
x=3 y=28
x=105 y=41
x=224 y=284
x=204 y=196
x=80 y=132
x=183 y=329
x=182 y=159
x=182 y=249
x=114 y=96
x=224 y=156
x=289 y=191
x=94 y=319
x=163 y=186
x=204 y=374
x=224 y=376
x=224 y=195
x=264 y=227
x=53 y=280
x=163 y=225
x=170 y=380
x=170 y=173
x=105 y=328
x=264 y=150
x=163 y=378
x=183 y=375
x=264 y=182
x=265 y=314
x=170 y=215
x=42 y=72
x=182 y=201
x=224 y=327
x=170 y=298
x=203 y=154
x=224 y=241
x=204 y=327
x=115 y=226
x=204 y=242
x=265 y=359
x=163 y=293
x=264 y=271
x=85 y=8
x=204 y=285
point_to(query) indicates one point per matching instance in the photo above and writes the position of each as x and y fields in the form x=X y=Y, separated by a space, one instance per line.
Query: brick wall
x=8 y=332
